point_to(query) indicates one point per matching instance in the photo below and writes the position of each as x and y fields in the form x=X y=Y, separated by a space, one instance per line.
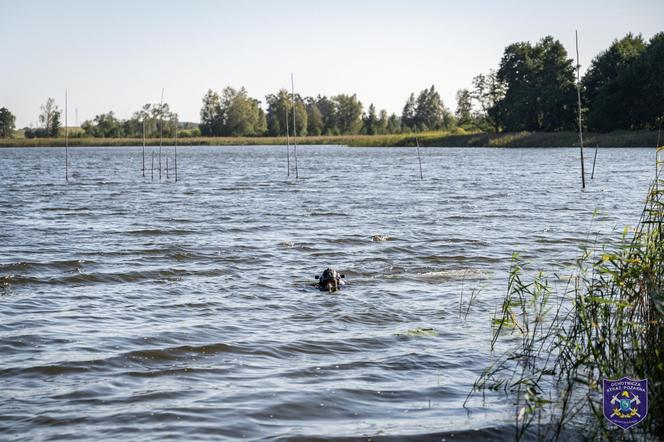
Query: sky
x=118 y=55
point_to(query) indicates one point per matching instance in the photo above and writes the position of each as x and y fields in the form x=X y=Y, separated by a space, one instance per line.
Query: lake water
x=139 y=309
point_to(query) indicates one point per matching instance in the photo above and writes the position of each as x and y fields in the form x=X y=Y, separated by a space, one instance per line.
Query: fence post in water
x=592 y=175
x=294 y=125
x=657 y=150
x=176 y=150
x=143 y=168
x=152 y=167
x=578 y=95
x=287 y=145
x=417 y=143
x=66 y=142
x=659 y=136
x=161 y=127
x=166 y=167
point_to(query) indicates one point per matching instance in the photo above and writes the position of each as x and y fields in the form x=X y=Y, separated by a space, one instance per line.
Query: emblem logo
x=625 y=401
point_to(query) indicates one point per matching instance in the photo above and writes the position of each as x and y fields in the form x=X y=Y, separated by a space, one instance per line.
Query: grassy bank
x=608 y=323
x=431 y=139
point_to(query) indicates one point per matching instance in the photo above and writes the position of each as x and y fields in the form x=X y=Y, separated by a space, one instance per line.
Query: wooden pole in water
x=578 y=95
x=287 y=142
x=166 y=167
x=143 y=168
x=66 y=141
x=418 y=157
x=294 y=125
x=659 y=135
x=176 y=149
x=152 y=167
x=161 y=127
x=592 y=175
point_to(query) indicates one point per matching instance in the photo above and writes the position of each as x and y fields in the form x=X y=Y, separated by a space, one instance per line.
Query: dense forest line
x=533 y=89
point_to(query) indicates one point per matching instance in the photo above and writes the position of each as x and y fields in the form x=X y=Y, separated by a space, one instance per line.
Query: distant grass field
x=428 y=139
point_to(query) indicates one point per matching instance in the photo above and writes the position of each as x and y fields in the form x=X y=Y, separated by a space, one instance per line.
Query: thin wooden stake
x=167 y=167
x=287 y=143
x=66 y=141
x=161 y=127
x=418 y=157
x=578 y=95
x=659 y=135
x=152 y=167
x=592 y=175
x=143 y=168
x=176 y=149
x=294 y=125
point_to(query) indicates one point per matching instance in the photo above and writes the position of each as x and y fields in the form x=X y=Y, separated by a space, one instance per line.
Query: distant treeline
x=622 y=89
x=533 y=89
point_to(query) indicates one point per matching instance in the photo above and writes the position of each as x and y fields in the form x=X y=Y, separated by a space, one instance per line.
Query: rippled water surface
x=133 y=309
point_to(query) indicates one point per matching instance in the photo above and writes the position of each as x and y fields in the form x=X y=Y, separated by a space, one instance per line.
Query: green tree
x=278 y=109
x=464 y=109
x=516 y=111
x=487 y=92
x=261 y=124
x=278 y=105
x=608 y=64
x=49 y=118
x=155 y=116
x=300 y=115
x=557 y=85
x=620 y=84
x=232 y=113
x=240 y=113
x=430 y=112
x=7 y=123
x=382 y=122
x=408 y=114
x=540 y=87
x=164 y=118
x=328 y=109
x=394 y=124
x=133 y=127
x=315 y=123
x=103 y=125
x=211 y=115
x=648 y=73
x=370 y=121
x=348 y=113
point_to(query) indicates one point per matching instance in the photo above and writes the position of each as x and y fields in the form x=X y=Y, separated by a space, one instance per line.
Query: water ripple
x=133 y=309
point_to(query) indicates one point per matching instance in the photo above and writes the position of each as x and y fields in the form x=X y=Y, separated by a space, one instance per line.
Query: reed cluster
x=607 y=323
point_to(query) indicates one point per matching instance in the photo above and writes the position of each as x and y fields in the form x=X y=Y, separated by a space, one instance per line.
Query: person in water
x=330 y=280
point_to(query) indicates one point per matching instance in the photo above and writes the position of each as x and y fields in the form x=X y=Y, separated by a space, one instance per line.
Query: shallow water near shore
x=142 y=309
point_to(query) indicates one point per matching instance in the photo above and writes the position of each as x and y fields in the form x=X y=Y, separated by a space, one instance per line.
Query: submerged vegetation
x=608 y=323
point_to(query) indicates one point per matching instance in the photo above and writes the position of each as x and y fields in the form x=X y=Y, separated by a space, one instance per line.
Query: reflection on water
x=143 y=310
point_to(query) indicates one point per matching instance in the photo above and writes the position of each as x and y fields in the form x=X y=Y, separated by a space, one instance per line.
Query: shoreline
x=643 y=138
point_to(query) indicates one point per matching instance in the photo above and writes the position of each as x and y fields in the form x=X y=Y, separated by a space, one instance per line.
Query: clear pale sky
x=117 y=55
